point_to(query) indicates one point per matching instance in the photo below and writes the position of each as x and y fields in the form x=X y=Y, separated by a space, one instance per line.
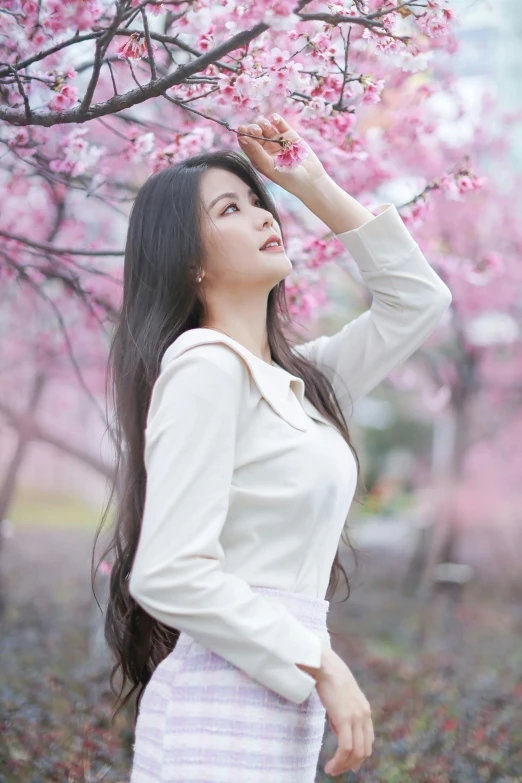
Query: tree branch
x=133 y=97
x=68 y=344
x=102 y=45
x=38 y=433
x=153 y=72
x=60 y=250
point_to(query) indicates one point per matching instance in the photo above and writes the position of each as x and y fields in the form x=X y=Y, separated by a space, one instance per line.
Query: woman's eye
x=233 y=204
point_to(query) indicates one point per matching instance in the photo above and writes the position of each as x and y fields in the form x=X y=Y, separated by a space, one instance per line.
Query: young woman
x=239 y=471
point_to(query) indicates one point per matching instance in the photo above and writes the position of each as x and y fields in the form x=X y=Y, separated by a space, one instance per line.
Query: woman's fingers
x=281 y=124
x=248 y=131
x=352 y=749
x=257 y=153
x=358 y=755
x=267 y=133
x=262 y=129
x=354 y=745
x=341 y=759
x=369 y=738
x=268 y=129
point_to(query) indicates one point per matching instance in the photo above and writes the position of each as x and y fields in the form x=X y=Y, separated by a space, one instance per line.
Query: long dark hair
x=161 y=300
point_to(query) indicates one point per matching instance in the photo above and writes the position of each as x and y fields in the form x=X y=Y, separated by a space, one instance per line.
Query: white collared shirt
x=249 y=484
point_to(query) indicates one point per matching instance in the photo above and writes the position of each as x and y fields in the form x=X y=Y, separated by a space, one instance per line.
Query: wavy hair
x=161 y=300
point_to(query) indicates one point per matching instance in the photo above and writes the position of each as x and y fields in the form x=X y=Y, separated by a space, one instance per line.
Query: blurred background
x=432 y=628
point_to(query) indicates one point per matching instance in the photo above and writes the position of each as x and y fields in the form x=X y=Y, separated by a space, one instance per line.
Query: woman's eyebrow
x=230 y=194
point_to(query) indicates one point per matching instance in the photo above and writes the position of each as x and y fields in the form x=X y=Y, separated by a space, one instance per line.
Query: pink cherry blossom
x=65 y=98
x=436 y=400
x=153 y=8
x=141 y=146
x=292 y=154
x=306 y=293
x=135 y=47
x=485 y=269
x=105 y=567
x=206 y=40
x=20 y=137
x=277 y=58
x=372 y=90
x=22 y=144
x=78 y=155
x=72 y=15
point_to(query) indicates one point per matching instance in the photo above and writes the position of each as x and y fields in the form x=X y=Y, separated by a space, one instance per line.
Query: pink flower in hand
x=292 y=154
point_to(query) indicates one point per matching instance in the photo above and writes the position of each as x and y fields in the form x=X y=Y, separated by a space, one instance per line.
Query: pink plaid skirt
x=203 y=720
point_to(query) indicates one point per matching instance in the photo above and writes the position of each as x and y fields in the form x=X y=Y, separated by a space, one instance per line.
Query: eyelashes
x=233 y=204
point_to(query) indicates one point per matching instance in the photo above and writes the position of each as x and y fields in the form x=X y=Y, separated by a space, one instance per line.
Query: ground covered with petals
x=446 y=711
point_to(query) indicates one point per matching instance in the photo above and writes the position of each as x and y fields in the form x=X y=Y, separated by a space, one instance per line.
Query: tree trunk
x=7 y=489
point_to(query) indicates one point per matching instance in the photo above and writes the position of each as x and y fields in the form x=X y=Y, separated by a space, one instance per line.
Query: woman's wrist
x=331 y=204
x=326 y=657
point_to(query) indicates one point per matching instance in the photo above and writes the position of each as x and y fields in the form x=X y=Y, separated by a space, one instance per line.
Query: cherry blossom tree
x=96 y=95
x=472 y=384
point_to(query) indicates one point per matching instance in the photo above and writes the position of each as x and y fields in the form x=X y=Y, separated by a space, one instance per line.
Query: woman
x=239 y=468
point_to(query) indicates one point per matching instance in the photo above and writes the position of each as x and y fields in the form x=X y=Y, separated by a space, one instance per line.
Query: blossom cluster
x=298 y=67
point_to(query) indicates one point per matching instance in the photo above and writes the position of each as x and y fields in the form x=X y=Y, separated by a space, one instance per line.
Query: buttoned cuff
x=296 y=644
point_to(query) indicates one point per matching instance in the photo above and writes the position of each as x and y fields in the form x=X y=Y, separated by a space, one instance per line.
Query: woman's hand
x=348 y=711
x=262 y=148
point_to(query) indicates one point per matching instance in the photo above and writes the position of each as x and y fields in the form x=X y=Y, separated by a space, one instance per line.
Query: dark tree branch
x=5 y=70
x=109 y=66
x=102 y=45
x=153 y=72
x=133 y=97
x=339 y=103
x=158 y=86
x=24 y=96
x=59 y=269
x=35 y=432
x=60 y=250
x=43 y=295
x=336 y=19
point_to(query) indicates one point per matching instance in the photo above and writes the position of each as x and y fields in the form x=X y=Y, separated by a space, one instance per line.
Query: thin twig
x=24 y=96
x=102 y=44
x=153 y=72
x=108 y=61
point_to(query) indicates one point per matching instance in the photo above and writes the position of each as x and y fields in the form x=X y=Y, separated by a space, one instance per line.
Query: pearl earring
x=199 y=278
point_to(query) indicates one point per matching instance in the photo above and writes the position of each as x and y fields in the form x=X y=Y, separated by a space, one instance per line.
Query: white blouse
x=248 y=484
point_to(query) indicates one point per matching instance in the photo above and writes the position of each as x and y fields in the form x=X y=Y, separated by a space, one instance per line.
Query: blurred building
x=490 y=59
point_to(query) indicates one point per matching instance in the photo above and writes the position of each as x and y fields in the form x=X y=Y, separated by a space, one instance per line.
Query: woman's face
x=234 y=229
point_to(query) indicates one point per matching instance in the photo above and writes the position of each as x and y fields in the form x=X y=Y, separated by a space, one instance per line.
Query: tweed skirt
x=204 y=720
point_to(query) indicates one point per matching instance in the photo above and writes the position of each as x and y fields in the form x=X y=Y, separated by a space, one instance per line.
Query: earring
x=199 y=278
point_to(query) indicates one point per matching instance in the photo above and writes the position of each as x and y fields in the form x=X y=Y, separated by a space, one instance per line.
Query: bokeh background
x=432 y=628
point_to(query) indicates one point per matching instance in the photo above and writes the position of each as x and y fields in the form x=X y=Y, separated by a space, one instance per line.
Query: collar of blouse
x=275 y=384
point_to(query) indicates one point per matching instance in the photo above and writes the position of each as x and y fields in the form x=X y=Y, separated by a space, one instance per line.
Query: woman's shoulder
x=196 y=378
x=207 y=355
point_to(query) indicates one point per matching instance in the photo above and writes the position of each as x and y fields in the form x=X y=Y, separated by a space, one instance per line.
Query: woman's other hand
x=348 y=711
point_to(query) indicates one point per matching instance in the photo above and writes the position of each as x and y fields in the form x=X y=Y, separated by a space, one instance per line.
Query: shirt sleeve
x=177 y=574
x=409 y=299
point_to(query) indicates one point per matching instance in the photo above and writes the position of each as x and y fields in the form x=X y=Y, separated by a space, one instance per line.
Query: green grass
x=53 y=510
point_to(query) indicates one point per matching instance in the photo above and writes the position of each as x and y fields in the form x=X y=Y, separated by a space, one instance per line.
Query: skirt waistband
x=306 y=608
